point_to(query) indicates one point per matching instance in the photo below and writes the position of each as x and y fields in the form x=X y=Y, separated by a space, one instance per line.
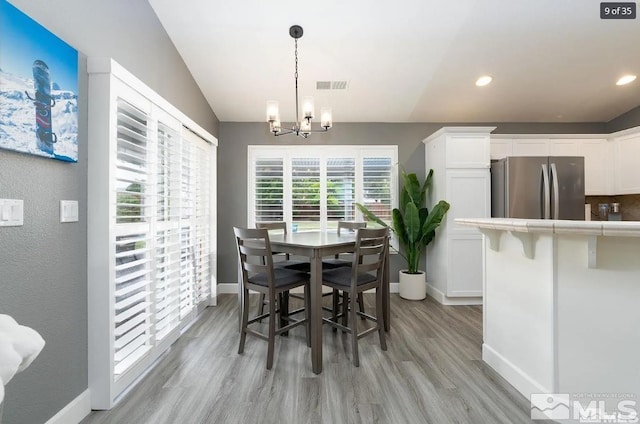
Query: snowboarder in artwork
x=43 y=103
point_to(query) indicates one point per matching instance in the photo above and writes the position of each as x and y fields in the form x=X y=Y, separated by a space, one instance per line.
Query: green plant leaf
x=370 y=215
x=412 y=222
x=433 y=221
x=425 y=187
x=412 y=186
x=399 y=227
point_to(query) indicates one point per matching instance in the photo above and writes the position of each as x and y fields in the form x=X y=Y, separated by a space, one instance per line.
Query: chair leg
x=361 y=304
x=307 y=313
x=272 y=330
x=245 y=318
x=380 y=318
x=284 y=310
x=261 y=306
x=345 y=309
x=336 y=304
x=354 y=332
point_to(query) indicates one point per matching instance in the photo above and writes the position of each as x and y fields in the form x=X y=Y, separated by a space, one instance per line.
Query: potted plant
x=415 y=227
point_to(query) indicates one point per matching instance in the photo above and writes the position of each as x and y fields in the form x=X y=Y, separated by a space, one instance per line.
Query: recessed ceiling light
x=483 y=80
x=626 y=79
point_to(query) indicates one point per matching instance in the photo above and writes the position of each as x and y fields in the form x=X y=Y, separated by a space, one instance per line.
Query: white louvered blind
x=305 y=193
x=151 y=251
x=187 y=230
x=167 y=247
x=203 y=241
x=132 y=330
x=341 y=190
x=377 y=186
x=268 y=174
x=315 y=187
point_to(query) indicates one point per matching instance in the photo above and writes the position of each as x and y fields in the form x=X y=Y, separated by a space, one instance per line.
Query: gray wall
x=629 y=119
x=232 y=165
x=43 y=269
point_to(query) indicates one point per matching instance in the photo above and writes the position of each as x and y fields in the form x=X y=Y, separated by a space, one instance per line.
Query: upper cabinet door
x=467 y=151
x=627 y=174
x=531 y=147
x=501 y=148
x=598 y=175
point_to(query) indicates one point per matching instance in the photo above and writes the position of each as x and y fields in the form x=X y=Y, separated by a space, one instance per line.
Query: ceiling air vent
x=331 y=85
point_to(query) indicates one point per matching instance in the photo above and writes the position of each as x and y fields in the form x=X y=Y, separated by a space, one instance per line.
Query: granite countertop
x=552 y=226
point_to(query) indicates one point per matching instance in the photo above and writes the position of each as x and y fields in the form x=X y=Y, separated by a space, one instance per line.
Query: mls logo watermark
x=555 y=406
x=585 y=407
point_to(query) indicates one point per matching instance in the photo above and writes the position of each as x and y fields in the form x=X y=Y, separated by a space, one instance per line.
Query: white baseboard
x=510 y=372
x=232 y=288
x=75 y=411
x=453 y=301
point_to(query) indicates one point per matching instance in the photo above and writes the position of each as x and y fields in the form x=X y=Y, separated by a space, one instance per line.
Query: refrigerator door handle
x=556 y=192
x=546 y=197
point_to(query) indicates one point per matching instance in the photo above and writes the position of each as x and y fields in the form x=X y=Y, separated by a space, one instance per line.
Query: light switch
x=11 y=213
x=68 y=211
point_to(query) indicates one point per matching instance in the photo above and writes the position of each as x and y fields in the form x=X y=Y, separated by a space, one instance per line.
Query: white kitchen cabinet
x=598 y=174
x=597 y=151
x=531 y=147
x=501 y=148
x=627 y=171
x=460 y=159
x=563 y=147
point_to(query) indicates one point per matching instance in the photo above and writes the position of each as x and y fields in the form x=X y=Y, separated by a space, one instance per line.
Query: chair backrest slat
x=370 y=253
x=350 y=225
x=254 y=253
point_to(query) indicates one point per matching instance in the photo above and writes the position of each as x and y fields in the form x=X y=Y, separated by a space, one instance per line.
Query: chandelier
x=302 y=126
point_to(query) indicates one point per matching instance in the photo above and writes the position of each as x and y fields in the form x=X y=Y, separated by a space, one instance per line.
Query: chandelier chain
x=296 y=77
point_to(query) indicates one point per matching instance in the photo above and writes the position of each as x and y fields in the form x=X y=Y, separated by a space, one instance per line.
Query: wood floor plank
x=432 y=372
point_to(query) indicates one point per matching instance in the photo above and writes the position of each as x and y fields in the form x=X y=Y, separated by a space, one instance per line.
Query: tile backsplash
x=629 y=205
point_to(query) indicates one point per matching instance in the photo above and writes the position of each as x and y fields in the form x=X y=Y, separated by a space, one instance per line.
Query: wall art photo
x=38 y=89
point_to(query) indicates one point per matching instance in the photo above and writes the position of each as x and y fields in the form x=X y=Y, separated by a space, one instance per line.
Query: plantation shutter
x=269 y=189
x=341 y=190
x=187 y=230
x=167 y=248
x=202 y=218
x=305 y=193
x=377 y=186
x=132 y=329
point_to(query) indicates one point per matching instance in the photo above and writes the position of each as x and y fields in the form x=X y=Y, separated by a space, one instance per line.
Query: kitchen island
x=562 y=304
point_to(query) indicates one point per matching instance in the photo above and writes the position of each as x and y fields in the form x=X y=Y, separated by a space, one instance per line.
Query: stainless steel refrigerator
x=538 y=187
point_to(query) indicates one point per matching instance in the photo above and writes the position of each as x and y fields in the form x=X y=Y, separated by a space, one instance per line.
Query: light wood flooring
x=432 y=372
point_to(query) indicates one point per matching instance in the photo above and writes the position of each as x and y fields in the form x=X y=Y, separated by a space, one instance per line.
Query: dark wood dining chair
x=366 y=272
x=284 y=261
x=337 y=262
x=259 y=274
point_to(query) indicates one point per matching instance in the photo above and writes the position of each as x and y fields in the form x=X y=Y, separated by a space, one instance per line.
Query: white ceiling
x=410 y=60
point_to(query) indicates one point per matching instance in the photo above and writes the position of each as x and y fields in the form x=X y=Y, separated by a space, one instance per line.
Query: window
x=151 y=227
x=314 y=187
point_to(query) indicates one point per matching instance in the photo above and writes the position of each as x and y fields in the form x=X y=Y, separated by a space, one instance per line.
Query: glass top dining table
x=316 y=245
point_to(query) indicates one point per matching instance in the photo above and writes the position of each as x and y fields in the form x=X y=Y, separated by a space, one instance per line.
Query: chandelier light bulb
x=307 y=108
x=272 y=111
x=483 y=80
x=325 y=117
x=626 y=80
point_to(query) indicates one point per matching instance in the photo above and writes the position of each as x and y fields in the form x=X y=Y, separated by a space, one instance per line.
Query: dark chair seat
x=283 y=278
x=342 y=277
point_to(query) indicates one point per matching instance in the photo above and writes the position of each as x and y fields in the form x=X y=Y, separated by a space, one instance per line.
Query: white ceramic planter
x=412 y=286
